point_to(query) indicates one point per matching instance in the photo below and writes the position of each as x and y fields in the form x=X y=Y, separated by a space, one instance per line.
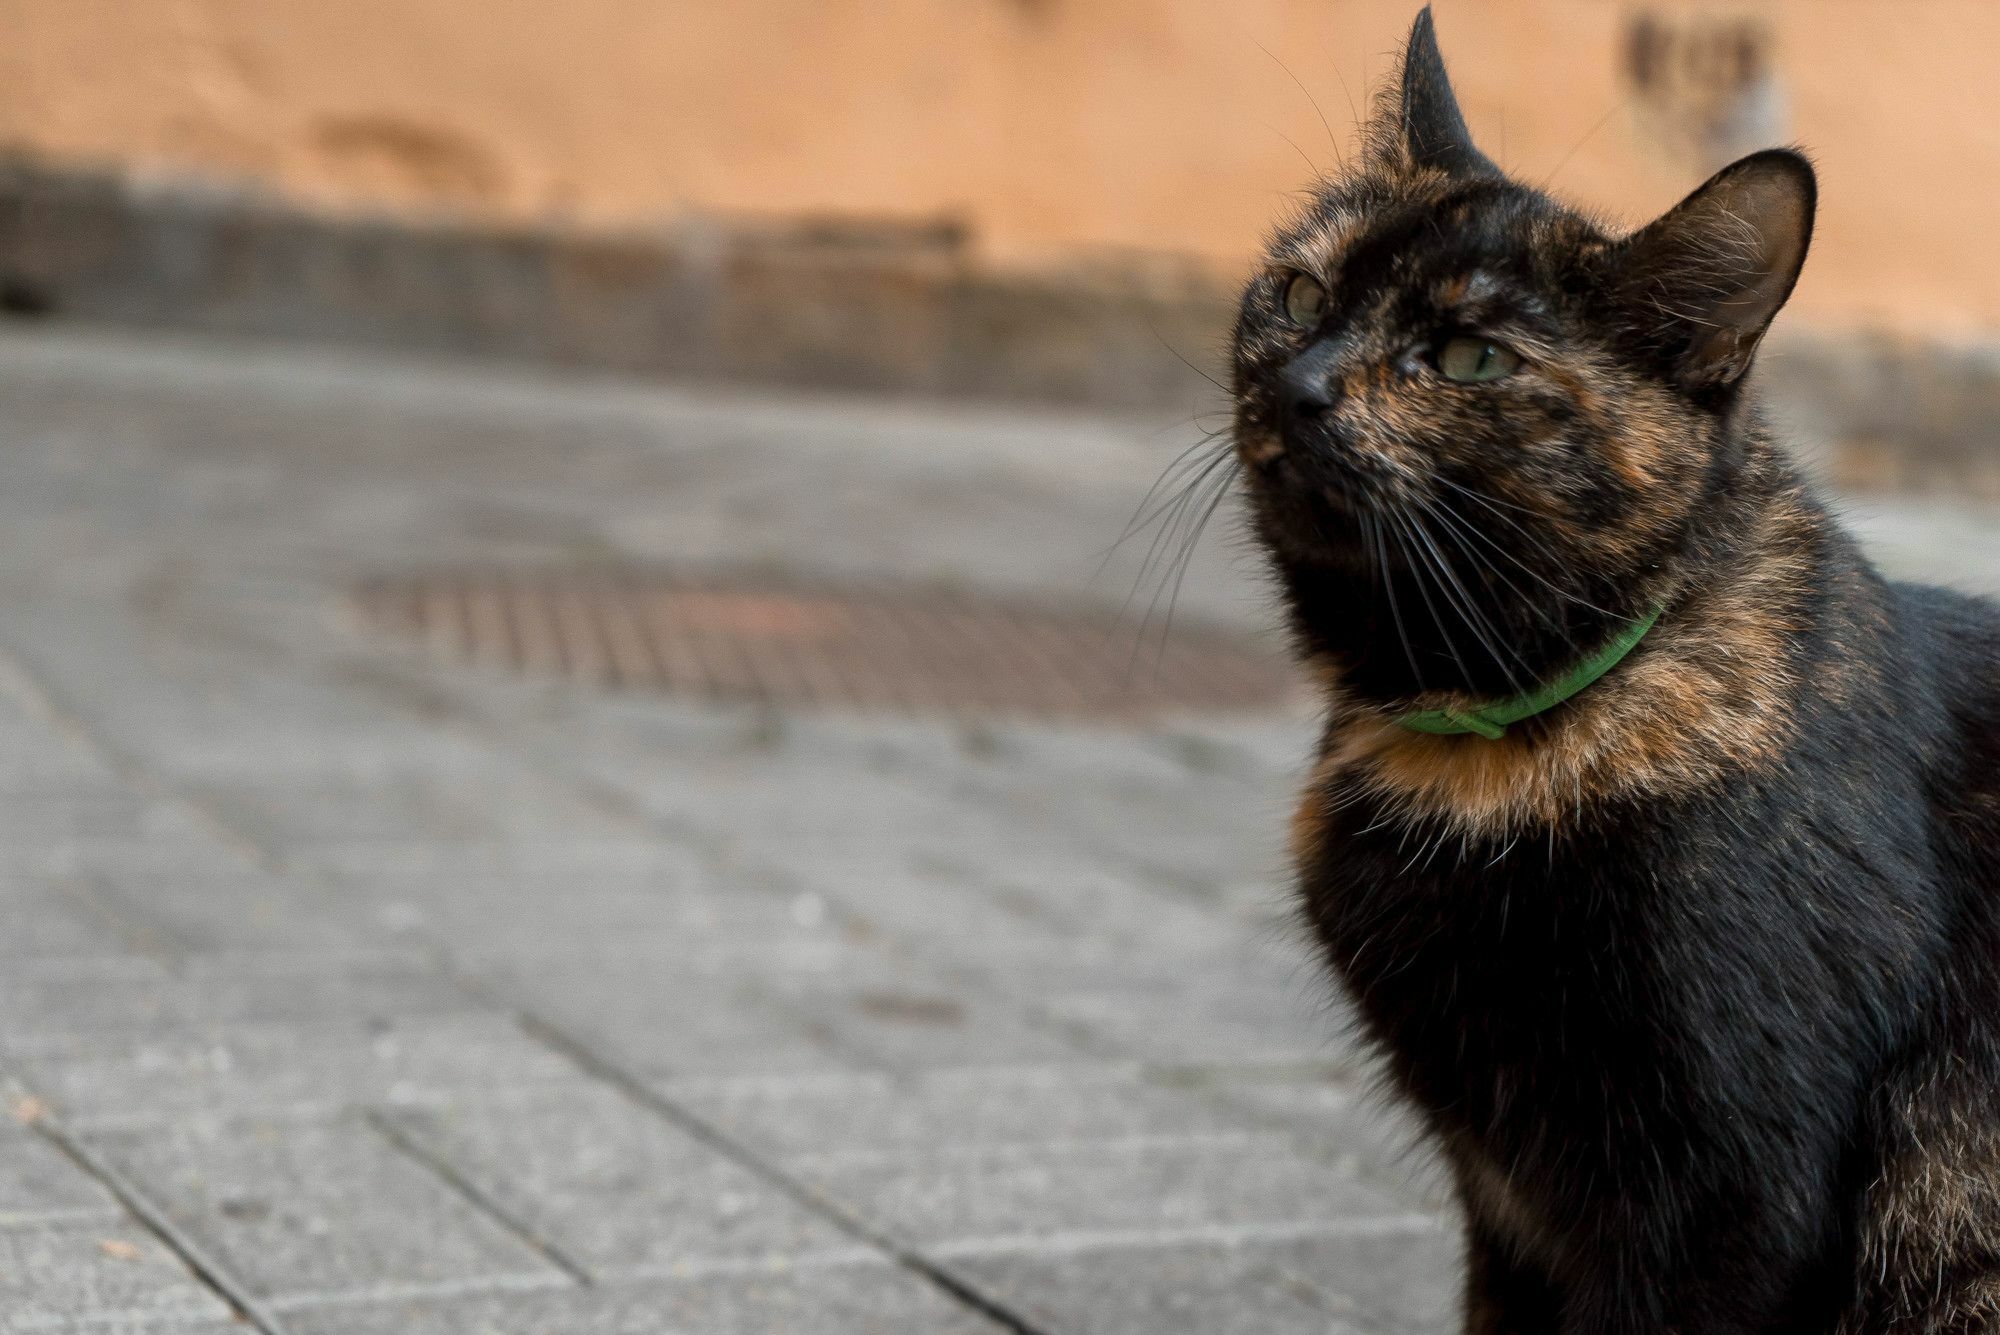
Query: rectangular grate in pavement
x=878 y=648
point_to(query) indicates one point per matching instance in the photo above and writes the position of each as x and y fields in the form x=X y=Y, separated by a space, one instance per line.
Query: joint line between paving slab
x=478 y=1198
x=75 y=1214
x=205 y=1268
x=487 y=1286
x=602 y=1068
x=20 y=682
x=140 y=931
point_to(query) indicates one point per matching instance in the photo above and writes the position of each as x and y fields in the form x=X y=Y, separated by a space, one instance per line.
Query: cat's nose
x=1307 y=400
x=1307 y=390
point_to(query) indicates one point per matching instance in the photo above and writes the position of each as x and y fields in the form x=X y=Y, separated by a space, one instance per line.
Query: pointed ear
x=1416 y=121
x=1707 y=277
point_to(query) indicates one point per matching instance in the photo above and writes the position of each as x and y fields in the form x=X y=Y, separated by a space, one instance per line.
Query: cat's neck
x=1708 y=692
x=1456 y=618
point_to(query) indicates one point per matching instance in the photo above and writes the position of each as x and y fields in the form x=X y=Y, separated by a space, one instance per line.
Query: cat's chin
x=1317 y=534
x=1313 y=520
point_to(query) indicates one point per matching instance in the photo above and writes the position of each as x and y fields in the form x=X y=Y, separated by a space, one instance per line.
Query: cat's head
x=1475 y=423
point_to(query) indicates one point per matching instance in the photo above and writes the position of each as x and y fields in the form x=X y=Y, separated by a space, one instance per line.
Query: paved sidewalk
x=343 y=993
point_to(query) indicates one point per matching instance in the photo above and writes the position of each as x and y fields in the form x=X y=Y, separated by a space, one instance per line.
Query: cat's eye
x=1305 y=301
x=1471 y=360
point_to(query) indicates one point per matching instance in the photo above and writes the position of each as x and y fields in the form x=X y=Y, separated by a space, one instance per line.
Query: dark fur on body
x=1695 y=978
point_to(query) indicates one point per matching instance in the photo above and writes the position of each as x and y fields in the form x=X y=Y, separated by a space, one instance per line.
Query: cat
x=1653 y=834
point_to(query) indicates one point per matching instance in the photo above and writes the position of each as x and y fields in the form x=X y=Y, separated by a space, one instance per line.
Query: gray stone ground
x=344 y=994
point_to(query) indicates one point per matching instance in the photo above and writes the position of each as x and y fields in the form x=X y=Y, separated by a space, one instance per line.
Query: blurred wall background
x=1040 y=128
x=988 y=196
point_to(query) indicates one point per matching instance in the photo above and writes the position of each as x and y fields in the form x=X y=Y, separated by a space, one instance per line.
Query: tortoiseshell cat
x=1656 y=837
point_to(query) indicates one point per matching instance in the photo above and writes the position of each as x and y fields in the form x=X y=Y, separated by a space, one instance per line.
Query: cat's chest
x=1492 y=974
x=1492 y=1020
x=1514 y=1011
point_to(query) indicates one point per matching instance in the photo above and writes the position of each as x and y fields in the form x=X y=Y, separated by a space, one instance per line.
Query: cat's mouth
x=1324 y=506
x=1323 y=516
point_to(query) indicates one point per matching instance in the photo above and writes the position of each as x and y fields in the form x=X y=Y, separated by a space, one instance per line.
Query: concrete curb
x=833 y=305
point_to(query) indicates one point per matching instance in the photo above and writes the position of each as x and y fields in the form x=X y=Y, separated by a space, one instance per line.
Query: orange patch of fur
x=1707 y=694
x=1258 y=447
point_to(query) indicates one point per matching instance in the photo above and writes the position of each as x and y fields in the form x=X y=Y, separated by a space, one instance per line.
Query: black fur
x=1709 y=1030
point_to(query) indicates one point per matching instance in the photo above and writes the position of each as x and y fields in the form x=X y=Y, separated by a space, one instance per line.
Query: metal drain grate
x=881 y=648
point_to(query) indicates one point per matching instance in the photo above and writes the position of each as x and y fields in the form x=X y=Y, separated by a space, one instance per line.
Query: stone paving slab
x=834 y=1300
x=1388 y=1282
x=137 y=993
x=979 y=1200
x=656 y=1020
x=367 y=995
x=97 y=1275
x=907 y=1019
x=52 y=919
x=874 y=1116
x=1395 y=1282
x=1186 y=1017
x=103 y=1079
x=299 y=1210
x=40 y=1184
x=1219 y=1289
x=617 y=1190
x=180 y=907
x=99 y=1323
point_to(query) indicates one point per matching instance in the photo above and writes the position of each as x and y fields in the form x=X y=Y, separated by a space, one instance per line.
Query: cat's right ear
x=1705 y=280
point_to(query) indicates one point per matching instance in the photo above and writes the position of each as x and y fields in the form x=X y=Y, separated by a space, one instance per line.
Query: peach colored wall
x=1050 y=127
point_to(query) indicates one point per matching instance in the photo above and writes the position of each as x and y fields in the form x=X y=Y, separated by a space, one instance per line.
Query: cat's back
x=1945 y=671
x=1957 y=637
x=1931 y=1219
x=1962 y=630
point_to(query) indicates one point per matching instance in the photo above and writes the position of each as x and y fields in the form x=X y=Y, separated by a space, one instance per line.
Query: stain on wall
x=389 y=158
x=1705 y=87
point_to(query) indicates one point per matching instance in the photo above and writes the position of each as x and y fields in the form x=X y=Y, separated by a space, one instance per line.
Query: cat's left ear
x=1416 y=122
x=1708 y=277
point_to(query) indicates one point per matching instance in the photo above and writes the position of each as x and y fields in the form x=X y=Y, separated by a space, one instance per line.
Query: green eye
x=1305 y=301
x=1474 y=361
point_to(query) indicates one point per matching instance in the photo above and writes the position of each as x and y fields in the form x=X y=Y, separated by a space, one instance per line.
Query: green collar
x=1490 y=721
